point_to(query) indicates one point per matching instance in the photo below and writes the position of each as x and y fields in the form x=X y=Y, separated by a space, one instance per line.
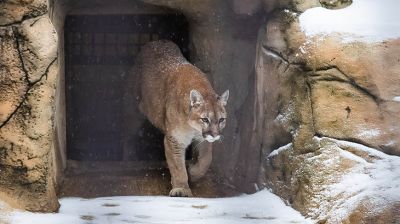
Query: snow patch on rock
x=342 y=177
x=280 y=149
x=377 y=181
x=396 y=98
x=369 y=133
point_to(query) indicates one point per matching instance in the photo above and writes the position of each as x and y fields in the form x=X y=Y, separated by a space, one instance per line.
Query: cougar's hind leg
x=203 y=151
x=175 y=154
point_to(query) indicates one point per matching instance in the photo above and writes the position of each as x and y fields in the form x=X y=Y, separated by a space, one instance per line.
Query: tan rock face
x=302 y=5
x=351 y=86
x=335 y=4
x=28 y=71
x=328 y=88
x=42 y=47
x=12 y=86
x=341 y=182
x=357 y=91
x=14 y=11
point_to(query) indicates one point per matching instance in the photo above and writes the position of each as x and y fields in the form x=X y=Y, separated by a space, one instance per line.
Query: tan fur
x=177 y=98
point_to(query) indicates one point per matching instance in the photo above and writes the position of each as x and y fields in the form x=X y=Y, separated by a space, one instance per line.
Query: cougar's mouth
x=210 y=138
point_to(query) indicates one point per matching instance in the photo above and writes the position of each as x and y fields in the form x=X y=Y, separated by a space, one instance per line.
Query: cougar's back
x=166 y=79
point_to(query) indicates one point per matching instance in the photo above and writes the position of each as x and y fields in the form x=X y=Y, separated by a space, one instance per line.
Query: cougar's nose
x=214 y=133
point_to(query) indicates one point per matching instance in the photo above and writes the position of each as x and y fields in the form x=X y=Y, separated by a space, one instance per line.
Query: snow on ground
x=261 y=207
x=363 y=20
x=396 y=98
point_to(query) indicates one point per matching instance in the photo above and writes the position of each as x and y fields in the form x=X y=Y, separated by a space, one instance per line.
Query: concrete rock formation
x=28 y=75
x=16 y=11
x=349 y=87
x=340 y=182
x=326 y=87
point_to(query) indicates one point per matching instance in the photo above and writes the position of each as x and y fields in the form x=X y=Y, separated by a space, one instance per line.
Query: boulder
x=336 y=109
x=28 y=71
x=351 y=87
x=41 y=49
x=340 y=182
x=13 y=85
x=15 y=11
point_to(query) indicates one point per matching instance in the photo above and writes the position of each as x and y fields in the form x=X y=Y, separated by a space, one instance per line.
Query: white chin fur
x=209 y=138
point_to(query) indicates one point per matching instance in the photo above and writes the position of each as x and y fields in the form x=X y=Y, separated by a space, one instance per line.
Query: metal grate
x=116 y=39
x=100 y=50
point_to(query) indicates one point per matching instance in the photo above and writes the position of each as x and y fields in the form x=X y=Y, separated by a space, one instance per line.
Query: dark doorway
x=100 y=50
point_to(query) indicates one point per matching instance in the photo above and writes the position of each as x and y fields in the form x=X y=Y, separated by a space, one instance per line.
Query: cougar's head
x=208 y=115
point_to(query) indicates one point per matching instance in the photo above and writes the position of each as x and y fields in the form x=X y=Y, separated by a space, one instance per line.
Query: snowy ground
x=262 y=207
x=363 y=20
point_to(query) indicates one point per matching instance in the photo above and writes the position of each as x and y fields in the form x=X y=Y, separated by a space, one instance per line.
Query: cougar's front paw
x=180 y=192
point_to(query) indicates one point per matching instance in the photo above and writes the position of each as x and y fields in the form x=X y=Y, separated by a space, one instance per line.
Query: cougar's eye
x=205 y=120
x=221 y=120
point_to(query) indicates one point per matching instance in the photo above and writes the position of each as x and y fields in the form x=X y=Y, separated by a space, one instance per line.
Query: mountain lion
x=178 y=99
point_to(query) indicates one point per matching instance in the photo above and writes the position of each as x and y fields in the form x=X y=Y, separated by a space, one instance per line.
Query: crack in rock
x=275 y=54
x=345 y=79
x=19 y=22
x=18 y=46
x=355 y=140
x=313 y=74
x=25 y=96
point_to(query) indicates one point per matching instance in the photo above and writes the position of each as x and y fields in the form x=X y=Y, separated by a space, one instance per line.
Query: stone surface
x=25 y=143
x=335 y=4
x=13 y=85
x=341 y=182
x=302 y=5
x=246 y=7
x=15 y=11
x=28 y=72
x=349 y=87
x=326 y=87
x=295 y=5
x=368 y=84
x=42 y=47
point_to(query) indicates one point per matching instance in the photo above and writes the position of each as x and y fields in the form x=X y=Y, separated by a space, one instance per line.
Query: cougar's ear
x=196 y=99
x=224 y=97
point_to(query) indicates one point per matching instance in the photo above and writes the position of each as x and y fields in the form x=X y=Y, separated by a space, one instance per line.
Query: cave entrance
x=100 y=50
x=111 y=148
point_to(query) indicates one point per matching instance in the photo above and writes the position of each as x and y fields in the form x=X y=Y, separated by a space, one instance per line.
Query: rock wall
x=340 y=182
x=348 y=88
x=324 y=87
x=28 y=70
